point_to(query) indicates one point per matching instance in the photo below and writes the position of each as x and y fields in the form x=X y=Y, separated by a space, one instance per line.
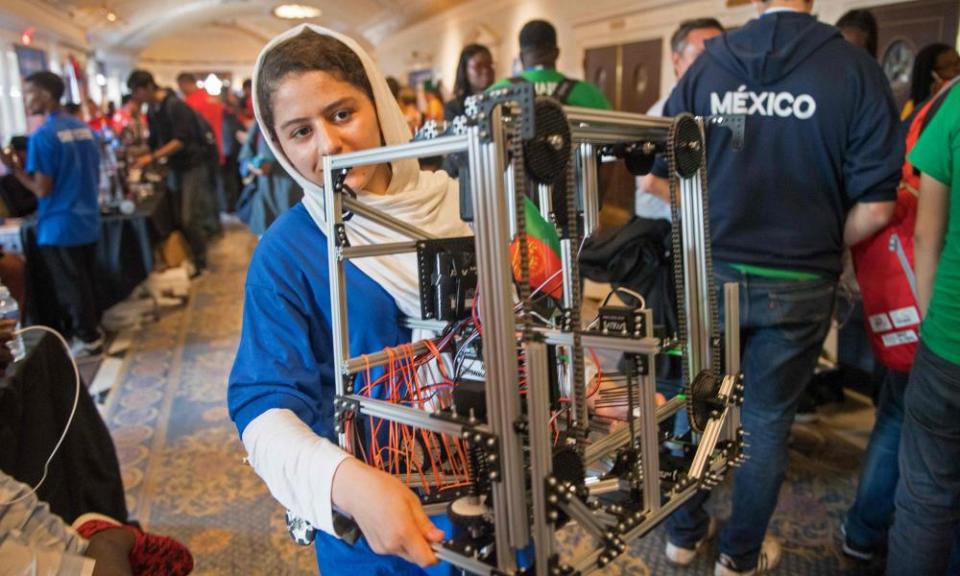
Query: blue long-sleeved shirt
x=285 y=358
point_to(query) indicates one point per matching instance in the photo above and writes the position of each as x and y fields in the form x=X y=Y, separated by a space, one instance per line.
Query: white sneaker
x=769 y=559
x=685 y=556
x=81 y=349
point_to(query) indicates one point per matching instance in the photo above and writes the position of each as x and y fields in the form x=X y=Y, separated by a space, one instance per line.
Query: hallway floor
x=185 y=476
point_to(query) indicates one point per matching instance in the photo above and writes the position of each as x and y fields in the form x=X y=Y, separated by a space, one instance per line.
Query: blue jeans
x=681 y=421
x=782 y=327
x=870 y=516
x=927 y=523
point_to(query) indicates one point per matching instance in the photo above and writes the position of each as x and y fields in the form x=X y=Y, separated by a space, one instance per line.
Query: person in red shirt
x=98 y=122
x=210 y=108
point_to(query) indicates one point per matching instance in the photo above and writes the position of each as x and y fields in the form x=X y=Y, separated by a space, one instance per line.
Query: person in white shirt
x=686 y=45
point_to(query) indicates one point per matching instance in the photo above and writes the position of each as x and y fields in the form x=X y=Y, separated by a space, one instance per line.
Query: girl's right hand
x=387 y=512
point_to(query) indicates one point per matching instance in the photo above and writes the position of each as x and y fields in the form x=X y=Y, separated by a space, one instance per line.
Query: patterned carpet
x=185 y=476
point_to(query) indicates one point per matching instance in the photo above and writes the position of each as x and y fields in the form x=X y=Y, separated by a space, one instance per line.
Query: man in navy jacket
x=819 y=168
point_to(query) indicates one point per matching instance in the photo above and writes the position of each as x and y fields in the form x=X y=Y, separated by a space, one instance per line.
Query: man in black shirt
x=176 y=135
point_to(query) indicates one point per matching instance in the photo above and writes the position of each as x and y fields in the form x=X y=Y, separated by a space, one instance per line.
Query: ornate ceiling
x=138 y=25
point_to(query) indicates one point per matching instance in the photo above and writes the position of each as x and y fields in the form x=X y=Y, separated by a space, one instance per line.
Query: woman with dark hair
x=934 y=67
x=317 y=93
x=474 y=75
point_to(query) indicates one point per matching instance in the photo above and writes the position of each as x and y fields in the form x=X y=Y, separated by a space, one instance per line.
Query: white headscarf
x=427 y=200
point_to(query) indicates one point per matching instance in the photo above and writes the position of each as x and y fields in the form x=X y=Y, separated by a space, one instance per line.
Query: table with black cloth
x=36 y=395
x=124 y=258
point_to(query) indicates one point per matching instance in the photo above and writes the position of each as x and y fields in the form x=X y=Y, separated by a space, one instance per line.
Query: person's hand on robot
x=615 y=415
x=387 y=512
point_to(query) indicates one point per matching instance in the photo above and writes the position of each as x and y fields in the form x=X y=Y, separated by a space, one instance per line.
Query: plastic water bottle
x=10 y=310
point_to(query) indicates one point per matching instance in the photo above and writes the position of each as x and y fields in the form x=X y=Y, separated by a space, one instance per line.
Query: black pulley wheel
x=702 y=399
x=638 y=163
x=687 y=146
x=546 y=154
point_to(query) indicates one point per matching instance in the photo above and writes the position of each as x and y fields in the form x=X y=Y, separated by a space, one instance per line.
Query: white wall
x=660 y=19
x=57 y=38
x=60 y=39
x=437 y=41
x=580 y=25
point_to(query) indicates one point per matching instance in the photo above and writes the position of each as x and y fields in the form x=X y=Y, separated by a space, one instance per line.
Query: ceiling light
x=213 y=84
x=296 y=12
x=111 y=17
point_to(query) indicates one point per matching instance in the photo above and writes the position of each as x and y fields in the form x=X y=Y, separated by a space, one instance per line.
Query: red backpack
x=884 y=266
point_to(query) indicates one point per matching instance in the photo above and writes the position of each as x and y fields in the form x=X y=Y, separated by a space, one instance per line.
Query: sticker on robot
x=880 y=323
x=898 y=338
x=905 y=317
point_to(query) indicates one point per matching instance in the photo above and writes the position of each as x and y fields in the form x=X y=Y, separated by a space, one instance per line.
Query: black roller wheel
x=546 y=154
x=702 y=399
x=687 y=145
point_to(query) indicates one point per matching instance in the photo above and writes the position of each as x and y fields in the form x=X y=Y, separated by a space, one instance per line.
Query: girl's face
x=316 y=114
x=480 y=71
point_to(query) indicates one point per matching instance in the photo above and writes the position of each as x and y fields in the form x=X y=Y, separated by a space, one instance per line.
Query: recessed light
x=111 y=17
x=296 y=11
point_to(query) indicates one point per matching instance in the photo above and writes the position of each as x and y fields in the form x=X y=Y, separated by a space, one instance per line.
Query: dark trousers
x=926 y=527
x=782 y=327
x=870 y=516
x=71 y=270
x=190 y=189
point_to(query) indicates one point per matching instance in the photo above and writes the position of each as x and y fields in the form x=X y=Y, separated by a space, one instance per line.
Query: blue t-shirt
x=285 y=359
x=64 y=149
x=822 y=134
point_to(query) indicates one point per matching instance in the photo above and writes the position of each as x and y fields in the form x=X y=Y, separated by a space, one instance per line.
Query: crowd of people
x=783 y=212
x=830 y=171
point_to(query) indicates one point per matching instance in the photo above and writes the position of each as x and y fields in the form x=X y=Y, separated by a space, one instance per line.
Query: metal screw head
x=555 y=141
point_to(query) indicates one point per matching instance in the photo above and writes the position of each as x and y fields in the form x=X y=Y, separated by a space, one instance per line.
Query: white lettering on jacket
x=782 y=104
x=544 y=88
x=74 y=134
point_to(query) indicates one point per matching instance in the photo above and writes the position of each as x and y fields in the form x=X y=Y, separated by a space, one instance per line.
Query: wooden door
x=640 y=75
x=904 y=29
x=629 y=76
x=600 y=68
